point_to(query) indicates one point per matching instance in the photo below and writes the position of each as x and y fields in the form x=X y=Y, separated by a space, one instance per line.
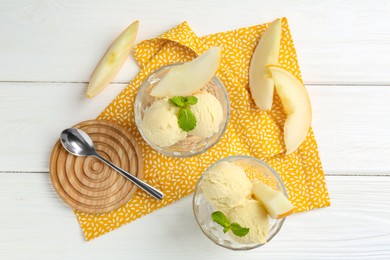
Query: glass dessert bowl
x=156 y=117
x=203 y=208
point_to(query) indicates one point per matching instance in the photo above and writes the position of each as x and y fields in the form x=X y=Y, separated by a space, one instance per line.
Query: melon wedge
x=274 y=201
x=261 y=83
x=296 y=104
x=187 y=78
x=112 y=60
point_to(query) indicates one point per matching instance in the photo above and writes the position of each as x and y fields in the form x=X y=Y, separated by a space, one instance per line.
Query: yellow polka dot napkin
x=249 y=132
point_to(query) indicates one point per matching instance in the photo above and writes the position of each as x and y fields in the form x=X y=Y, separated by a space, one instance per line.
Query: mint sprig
x=186 y=119
x=220 y=218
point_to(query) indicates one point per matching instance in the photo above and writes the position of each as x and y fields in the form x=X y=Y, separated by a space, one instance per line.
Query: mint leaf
x=191 y=100
x=178 y=101
x=186 y=120
x=220 y=218
x=238 y=230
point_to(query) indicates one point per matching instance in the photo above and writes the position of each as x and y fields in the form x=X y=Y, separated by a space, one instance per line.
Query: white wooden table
x=48 y=50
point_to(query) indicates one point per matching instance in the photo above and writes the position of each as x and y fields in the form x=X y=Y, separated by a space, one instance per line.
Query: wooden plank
x=337 y=41
x=34 y=115
x=352 y=127
x=36 y=224
x=351 y=123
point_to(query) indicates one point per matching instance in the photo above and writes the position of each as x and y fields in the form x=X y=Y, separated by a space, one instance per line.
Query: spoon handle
x=143 y=185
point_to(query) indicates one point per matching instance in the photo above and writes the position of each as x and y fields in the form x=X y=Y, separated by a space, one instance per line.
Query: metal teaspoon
x=78 y=143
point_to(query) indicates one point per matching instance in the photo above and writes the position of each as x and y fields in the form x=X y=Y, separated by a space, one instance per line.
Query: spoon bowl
x=77 y=142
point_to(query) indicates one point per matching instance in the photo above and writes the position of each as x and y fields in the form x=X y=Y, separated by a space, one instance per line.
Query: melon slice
x=274 y=201
x=261 y=83
x=112 y=60
x=296 y=104
x=187 y=78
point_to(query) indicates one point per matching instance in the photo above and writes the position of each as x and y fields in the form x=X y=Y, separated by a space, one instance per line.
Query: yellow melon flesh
x=274 y=201
x=296 y=104
x=261 y=83
x=187 y=78
x=112 y=60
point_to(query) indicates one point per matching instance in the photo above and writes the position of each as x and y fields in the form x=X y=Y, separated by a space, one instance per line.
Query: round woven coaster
x=87 y=184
